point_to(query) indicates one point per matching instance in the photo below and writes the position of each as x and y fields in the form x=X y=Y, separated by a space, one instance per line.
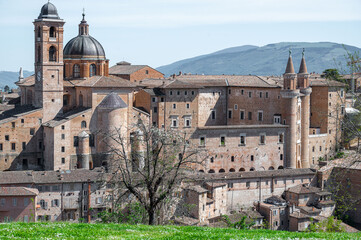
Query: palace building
x=247 y=123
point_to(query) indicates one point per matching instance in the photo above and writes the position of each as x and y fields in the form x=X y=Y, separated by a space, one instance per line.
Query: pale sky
x=159 y=32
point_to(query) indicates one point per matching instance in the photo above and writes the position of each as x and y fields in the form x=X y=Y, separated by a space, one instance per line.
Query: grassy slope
x=115 y=231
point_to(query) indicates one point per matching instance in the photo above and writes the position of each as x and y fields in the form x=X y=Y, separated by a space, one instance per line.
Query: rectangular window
x=235 y=106
x=249 y=115
x=13 y=146
x=62 y=127
x=23 y=145
x=260 y=94
x=186 y=93
x=243 y=139
x=178 y=93
x=223 y=141
x=252 y=158
x=40 y=145
x=277 y=119
x=2 y=202
x=153 y=99
x=266 y=94
x=188 y=105
x=342 y=110
x=15 y=202
x=213 y=114
x=155 y=110
x=7 y=138
x=174 y=106
x=76 y=141
x=99 y=200
x=241 y=114
x=262 y=138
x=91 y=140
x=13 y=124
x=62 y=160
x=242 y=92
x=162 y=99
x=342 y=93
x=62 y=136
x=280 y=138
x=229 y=114
x=187 y=122
x=202 y=141
x=32 y=131
x=229 y=91
x=170 y=92
x=248 y=184
x=62 y=149
x=1 y=146
x=250 y=94
x=260 y=115
x=230 y=185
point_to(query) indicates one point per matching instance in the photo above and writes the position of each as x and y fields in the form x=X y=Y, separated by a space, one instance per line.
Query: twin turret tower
x=296 y=92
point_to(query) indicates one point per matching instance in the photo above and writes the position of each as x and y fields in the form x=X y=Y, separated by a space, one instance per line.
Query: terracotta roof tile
x=18 y=191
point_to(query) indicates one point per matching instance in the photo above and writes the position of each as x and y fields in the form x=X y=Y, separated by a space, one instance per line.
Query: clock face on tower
x=38 y=76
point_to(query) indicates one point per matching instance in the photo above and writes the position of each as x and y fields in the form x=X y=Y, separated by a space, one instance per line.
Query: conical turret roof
x=112 y=101
x=290 y=68
x=303 y=67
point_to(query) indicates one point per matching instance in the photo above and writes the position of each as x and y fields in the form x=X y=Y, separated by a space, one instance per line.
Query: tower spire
x=290 y=68
x=303 y=67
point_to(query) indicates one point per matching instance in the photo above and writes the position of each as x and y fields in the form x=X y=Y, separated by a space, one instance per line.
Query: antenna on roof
x=289 y=52
x=303 y=52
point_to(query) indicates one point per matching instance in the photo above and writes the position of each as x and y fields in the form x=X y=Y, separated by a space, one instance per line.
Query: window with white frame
x=242 y=139
x=342 y=109
x=187 y=121
x=277 y=119
x=262 y=138
x=188 y=105
x=260 y=115
x=174 y=122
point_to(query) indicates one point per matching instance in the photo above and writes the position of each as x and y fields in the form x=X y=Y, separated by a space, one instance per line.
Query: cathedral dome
x=84 y=46
x=49 y=11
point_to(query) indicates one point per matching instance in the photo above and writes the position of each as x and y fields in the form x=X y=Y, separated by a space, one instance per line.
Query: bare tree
x=150 y=164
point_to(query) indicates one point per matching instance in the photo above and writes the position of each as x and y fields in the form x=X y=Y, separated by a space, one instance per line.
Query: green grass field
x=64 y=230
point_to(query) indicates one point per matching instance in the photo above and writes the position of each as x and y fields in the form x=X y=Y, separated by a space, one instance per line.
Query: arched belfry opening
x=52 y=54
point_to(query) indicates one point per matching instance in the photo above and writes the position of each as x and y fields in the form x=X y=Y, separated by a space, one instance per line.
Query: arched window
x=52 y=32
x=83 y=124
x=39 y=54
x=232 y=170
x=271 y=168
x=242 y=169
x=221 y=170
x=80 y=100
x=93 y=70
x=211 y=171
x=252 y=169
x=52 y=54
x=76 y=71
x=280 y=167
x=201 y=171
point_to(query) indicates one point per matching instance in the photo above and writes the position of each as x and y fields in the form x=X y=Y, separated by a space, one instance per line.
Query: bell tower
x=49 y=64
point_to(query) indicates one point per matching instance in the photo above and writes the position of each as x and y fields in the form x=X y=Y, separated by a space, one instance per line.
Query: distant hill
x=267 y=60
x=9 y=78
